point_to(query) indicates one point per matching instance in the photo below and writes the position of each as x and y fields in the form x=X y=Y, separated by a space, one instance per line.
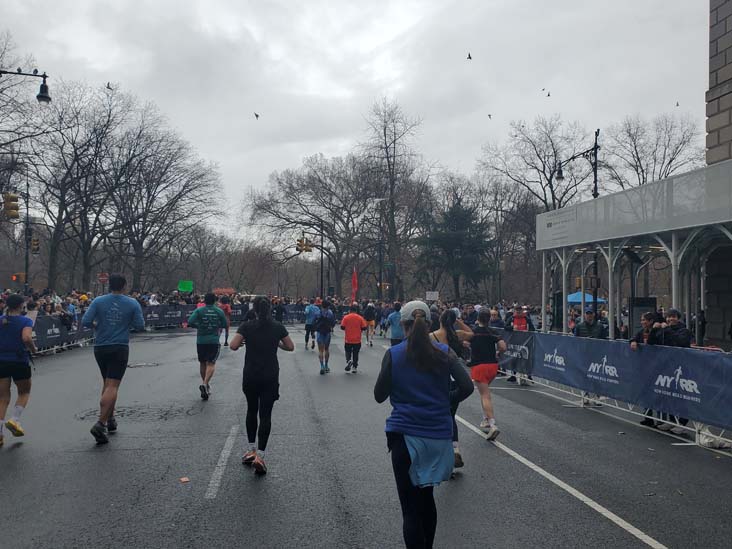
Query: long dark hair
x=262 y=307
x=447 y=321
x=420 y=350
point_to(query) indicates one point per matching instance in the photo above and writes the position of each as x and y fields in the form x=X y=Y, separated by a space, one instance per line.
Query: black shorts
x=18 y=370
x=112 y=360
x=208 y=352
x=260 y=388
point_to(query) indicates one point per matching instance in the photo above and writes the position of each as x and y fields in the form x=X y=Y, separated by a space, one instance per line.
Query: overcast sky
x=313 y=68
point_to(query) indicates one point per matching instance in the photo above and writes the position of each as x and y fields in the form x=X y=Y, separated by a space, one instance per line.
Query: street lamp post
x=590 y=155
x=43 y=96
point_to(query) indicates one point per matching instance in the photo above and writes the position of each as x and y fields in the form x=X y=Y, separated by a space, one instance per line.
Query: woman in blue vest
x=415 y=375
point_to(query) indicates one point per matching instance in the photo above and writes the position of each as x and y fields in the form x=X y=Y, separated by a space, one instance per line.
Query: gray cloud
x=313 y=69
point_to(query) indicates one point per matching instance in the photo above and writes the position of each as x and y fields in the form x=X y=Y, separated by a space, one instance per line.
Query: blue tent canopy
x=577 y=298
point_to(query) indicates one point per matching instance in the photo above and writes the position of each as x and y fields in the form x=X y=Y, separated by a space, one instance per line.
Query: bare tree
x=639 y=151
x=531 y=158
x=401 y=179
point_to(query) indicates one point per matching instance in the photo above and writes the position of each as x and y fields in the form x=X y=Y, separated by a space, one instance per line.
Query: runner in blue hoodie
x=112 y=316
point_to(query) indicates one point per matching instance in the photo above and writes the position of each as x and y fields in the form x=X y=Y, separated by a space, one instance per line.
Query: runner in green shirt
x=209 y=320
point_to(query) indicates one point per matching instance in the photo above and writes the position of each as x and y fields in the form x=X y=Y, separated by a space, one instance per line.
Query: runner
x=369 y=315
x=394 y=322
x=16 y=341
x=447 y=335
x=226 y=307
x=484 y=367
x=354 y=325
x=312 y=312
x=324 y=326
x=114 y=314
x=209 y=320
x=260 y=381
x=416 y=376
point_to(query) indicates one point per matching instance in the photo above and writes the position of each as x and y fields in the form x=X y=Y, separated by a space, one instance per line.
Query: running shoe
x=111 y=425
x=492 y=433
x=349 y=365
x=2 y=440
x=648 y=422
x=208 y=389
x=663 y=426
x=322 y=370
x=354 y=370
x=14 y=427
x=249 y=457
x=511 y=379
x=327 y=370
x=204 y=393
x=259 y=467
x=677 y=430
x=484 y=425
x=226 y=343
x=458 y=460
x=312 y=345
x=99 y=432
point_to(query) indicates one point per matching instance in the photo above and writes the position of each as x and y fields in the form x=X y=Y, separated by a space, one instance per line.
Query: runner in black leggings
x=416 y=376
x=260 y=381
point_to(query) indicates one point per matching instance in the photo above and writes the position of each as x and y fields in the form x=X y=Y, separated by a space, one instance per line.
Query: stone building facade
x=719 y=96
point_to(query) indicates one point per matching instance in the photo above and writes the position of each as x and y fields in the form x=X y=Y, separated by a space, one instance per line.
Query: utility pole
x=322 y=294
x=28 y=234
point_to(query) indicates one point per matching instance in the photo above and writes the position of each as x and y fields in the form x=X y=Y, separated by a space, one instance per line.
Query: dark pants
x=260 y=401
x=352 y=350
x=419 y=512
x=453 y=410
x=308 y=332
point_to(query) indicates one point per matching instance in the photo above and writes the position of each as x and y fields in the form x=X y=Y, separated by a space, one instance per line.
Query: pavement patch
x=144 y=413
x=143 y=364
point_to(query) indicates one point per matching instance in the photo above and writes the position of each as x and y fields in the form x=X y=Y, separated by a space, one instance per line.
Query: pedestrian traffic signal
x=308 y=245
x=18 y=278
x=10 y=205
x=35 y=245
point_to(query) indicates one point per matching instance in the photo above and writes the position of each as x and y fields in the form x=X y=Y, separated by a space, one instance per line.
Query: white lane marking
x=645 y=538
x=218 y=473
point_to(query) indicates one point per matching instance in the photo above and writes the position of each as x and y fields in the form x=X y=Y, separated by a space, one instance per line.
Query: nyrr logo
x=678 y=382
x=603 y=368
x=554 y=358
x=52 y=332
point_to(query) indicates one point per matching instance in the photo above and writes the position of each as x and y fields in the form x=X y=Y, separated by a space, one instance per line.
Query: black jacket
x=671 y=336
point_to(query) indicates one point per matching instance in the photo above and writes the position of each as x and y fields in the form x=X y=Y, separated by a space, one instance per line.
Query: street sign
x=102 y=278
x=432 y=296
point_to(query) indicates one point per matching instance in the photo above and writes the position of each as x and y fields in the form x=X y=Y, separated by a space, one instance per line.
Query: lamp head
x=43 y=96
x=560 y=174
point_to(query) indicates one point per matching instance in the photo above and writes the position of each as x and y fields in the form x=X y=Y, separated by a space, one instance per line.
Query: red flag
x=354 y=285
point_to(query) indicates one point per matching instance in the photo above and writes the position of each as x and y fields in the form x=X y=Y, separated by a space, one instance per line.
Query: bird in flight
x=490 y=117
x=548 y=94
x=256 y=115
x=543 y=89
x=469 y=56
x=677 y=103
x=109 y=86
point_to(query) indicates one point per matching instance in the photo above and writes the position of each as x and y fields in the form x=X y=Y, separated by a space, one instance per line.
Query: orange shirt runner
x=353 y=324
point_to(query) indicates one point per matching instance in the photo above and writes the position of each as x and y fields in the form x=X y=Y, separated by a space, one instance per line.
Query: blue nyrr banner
x=687 y=383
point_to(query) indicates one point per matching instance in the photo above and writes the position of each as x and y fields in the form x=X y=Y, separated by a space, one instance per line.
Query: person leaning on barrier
x=673 y=332
x=590 y=327
x=645 y=336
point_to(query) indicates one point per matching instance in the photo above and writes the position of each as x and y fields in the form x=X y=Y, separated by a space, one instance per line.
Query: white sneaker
x=493 y=432
x=484 y=425
x=208 y=389
x=677 y=430
x=664 y=426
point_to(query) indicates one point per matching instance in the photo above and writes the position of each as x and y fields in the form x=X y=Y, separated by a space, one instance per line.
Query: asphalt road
x=560 y=477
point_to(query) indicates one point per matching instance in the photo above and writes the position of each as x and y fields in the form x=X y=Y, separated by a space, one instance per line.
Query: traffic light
x=18 y=278
x=308 y=245
x=11 y=206
x=35 y=245
x=300 y=245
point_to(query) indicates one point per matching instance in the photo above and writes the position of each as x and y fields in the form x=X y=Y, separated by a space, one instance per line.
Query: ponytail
x=447 y=322
x=262 y=307
x=421 y=352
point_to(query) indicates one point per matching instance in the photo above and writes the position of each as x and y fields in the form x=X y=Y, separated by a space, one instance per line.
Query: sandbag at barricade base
x=519 y=357
x=683 y=382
